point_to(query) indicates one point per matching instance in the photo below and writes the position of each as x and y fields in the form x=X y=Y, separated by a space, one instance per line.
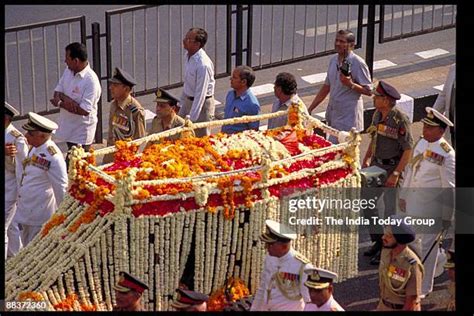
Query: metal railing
x=286 y=34
x=34 y=55
x=160 y=63
x=413 y=20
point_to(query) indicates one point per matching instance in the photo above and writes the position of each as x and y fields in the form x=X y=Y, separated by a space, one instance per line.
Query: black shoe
x=375 y=260
x=373 y=250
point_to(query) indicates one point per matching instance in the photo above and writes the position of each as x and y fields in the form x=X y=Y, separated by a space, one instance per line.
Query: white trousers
x=28 y=233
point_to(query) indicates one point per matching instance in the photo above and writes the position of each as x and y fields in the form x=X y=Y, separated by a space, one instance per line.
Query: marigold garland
x=68 y=304
x=56 y=219
x=90 y=213
x=34 y=296
x=234 y=290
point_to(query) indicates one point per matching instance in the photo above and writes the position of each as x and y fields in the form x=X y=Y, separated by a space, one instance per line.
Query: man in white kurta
x=44 y=179
x=427 y=189
x=320 y=288
x=281 y=285
x=16 y=150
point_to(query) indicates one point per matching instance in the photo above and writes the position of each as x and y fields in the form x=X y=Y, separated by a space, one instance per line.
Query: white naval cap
x=10 y=110
x=277 y=232
x=435 y=118
x=319 y=278
x=37 y=122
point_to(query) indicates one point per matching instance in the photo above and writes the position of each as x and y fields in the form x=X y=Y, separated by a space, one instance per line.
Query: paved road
x=156 y=60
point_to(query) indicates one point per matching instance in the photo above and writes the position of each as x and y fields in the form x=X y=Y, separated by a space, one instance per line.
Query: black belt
x=390 y=162
x=207 y=97
x=391 y=305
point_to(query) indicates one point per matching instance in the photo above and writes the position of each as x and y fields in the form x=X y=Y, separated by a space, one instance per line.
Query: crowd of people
x=34 y=163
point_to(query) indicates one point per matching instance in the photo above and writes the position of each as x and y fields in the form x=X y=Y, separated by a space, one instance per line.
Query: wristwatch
x=396 y=173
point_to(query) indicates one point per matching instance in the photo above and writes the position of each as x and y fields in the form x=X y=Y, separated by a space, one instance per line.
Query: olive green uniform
x=399 y=277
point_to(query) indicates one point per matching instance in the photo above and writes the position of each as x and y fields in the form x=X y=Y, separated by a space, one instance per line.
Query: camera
x=345 y=68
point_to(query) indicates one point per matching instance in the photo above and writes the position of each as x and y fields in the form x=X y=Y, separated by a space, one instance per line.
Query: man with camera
x=348 y=77
x=390 y=149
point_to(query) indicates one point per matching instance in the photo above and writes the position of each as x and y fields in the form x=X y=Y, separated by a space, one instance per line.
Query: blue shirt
x=246 y=104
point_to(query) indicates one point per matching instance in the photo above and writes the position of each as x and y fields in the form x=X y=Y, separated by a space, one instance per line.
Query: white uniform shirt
x=289 y=265
x=13 y=171
x=434 y=169
x=199 y=81
x=330 y=306
x=283 y=120
x=43 y=185
x=84 y=88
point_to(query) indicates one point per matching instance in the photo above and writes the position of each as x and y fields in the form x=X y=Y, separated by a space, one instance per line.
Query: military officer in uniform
x=450 y=266
x=281 y=285
x=320 y=288
x=390 y=149
x=127 y=116
x=44 y=178
x=427 y=189
x=16 y=150
x=128 y=293
x=166 y=117
x=400 y=270
x=190 y=301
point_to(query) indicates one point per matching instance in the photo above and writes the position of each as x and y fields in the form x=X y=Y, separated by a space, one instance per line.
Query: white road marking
x=310 y=32
x=431 y=53
x=384 y=63
x=262 y=89
x=315 y=78
x=440 y=87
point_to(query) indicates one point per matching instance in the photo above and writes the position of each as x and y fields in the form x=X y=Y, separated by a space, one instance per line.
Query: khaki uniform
x=126 y=120
x=390 y=138
x=157 y=126
x=282 y=286
x=398 y=278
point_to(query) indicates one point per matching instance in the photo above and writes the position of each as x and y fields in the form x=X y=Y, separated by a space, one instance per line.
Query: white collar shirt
x=84 y=88
x=199 y=81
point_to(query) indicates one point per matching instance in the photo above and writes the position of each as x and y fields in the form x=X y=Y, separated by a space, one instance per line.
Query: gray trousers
x=28 y=233
x=206 y=115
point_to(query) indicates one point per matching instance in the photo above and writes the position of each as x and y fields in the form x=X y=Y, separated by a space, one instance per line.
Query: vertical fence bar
x=134 y=57
x=271 y=37
x=403 y=20
x=249 y=34
x=145 y=45
x=337 y=17
x=348 y=17
x=83 y=29
x=369 y=52
x=433 y=15
x=7 y=81
x=158 y=45
x=382 y=23
x=315 y=29
x=238 y=35
x=422 y=17
x=33 y=76
x=261 y=36
x=96 y=66
x=45 y=61
x=360 y=22
x=229 y=39
x=108 y=50
x=391 y=22
x=216 y=51
x=453 y=10
x=327 y=29
x=412 y=18
x=205 y=20
x=57 y=52
x=304 y=29
x=70 y=32
x=20 y=80
x=282 y=33
x=169 y=41
x=442 y=15
x=294 y=31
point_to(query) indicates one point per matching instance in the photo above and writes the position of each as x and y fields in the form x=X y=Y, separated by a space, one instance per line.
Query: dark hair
x=286 y=82
x=348 y=34
x=201 y=35
x=246 y=73
x=77 y=50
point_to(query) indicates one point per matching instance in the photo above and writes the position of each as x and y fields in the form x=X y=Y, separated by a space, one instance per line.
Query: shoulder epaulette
x=445 y=147
x=52 y=150
x=302 y=258
x=15 y=133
